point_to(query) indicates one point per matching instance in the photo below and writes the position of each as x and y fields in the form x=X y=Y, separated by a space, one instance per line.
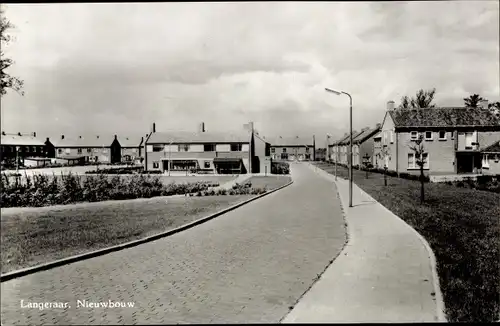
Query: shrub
x=280 y=168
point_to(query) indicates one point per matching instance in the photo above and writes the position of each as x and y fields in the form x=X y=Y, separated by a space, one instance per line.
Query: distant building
x=87 y=149
x=320 y=154
x=293 y=148
x=21 y=146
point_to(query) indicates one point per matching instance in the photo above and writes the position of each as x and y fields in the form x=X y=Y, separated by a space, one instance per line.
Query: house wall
x=441 y=153
x=103 y=153
x=486 y=138
x=9 y=151
x=494 y=164
x=133 y=152
x=390 y=144
x=222 y=150
x=263 y=156
x=294 y=150
x=366 y=148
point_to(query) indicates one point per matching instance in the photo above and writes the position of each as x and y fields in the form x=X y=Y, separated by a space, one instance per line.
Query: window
x=442 y=135
x=284 y=151
x=413 y=159
x=284 y=156
x=156 y=165
x=104 y=150
x=497 y=158
x=68 y=151
x=307 y=149
x=183 y=147
x=485 y=164
x=209 y=148
x=468 y=140
x=206 y=164
x=308 y=156
x=27 y=149
x=267 y=151
x=79 y=151
x=272 y=149
x=414 y=135
x=158 y=148
x=59 y=151
x=235 y=147
x=89 y=150
x=428 y=135
x=34 y=149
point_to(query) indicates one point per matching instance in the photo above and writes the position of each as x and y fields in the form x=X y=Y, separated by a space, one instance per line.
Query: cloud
x=91 y=67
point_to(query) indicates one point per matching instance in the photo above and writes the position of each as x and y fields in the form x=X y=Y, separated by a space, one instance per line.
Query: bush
x=280 y=168
x=45 y=190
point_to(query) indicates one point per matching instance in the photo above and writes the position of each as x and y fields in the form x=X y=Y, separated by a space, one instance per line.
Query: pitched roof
x=346 y=139
x=292 y=141
x=444 y=117
x=366 y=135
x=16 y=140
x=91 y=141
x=130 y=141
x=493 y=148
x=177 y=137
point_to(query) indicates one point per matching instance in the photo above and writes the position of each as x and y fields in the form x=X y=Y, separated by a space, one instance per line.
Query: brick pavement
x=383 y=275
x=248 y=265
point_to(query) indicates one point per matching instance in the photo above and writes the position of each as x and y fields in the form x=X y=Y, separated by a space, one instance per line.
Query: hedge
x=280 y=168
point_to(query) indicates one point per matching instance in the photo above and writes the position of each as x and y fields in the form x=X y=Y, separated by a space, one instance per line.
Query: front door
x=165 y=165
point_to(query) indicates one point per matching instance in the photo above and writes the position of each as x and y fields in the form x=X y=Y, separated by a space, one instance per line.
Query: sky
x=115 y=68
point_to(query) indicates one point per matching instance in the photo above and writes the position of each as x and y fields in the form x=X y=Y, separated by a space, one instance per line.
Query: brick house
x=453 y=138
x=341 y=147
x=208 y=152
x=293 y=149
x=21 y=146
x=363 y=146
x=131 y=149
x=90 y=149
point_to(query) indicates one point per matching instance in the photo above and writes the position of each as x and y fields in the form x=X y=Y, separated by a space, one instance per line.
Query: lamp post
x=350 y=140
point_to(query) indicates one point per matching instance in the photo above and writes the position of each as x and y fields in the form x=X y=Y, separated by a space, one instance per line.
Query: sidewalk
x=384 y=274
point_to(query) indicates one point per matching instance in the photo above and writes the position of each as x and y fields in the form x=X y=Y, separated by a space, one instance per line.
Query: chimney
x=34 y=134
x=47 y=139
x=297 y=137
x=62 y=136
x=154 y=127
x=390 y=105
x=483 y=104
x=19 y=134
x=81 y=137
x=201 y=127
x=97 y=136
x=3 y=133
x=378 y=125
x=117 y=137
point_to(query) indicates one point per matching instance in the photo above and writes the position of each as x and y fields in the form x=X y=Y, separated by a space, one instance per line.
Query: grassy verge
x=269 y=182
x=34 y=236
x=462 y=227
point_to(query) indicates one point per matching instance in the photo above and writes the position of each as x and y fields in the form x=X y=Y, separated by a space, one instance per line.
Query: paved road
x=249 y=265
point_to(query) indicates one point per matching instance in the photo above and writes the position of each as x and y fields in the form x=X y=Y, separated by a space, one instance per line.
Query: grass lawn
x=32 y=236
x=462 y=227
x=269 y=182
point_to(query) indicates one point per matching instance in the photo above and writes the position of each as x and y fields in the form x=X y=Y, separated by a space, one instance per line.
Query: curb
x=100 y=252
x=440 y=306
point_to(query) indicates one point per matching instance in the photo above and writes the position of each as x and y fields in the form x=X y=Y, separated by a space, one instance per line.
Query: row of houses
x=456 y=140
x=31 y=151
x=206 y=152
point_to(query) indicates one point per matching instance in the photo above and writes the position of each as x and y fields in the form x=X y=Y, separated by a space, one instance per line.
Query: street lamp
x=350 y=140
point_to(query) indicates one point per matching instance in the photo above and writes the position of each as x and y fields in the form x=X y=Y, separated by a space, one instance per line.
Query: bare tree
x=384 y=152
x=423 y=99
x=419 y=151
x=7 y=81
